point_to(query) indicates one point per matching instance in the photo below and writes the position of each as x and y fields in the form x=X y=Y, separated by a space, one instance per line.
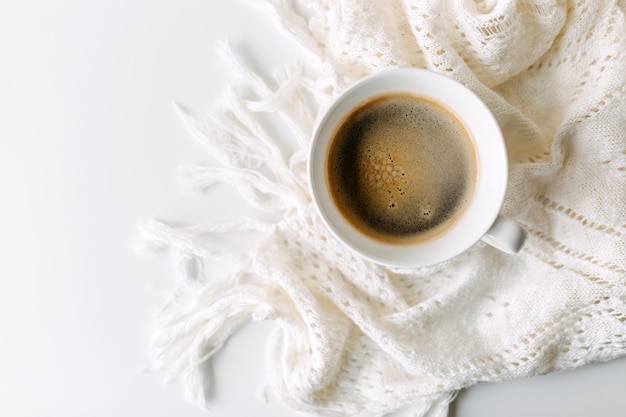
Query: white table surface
x=89 y=148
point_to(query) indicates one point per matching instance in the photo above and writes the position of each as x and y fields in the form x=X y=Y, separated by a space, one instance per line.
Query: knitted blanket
x=353 y=338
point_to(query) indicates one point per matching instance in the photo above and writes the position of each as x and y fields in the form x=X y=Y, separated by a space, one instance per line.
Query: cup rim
x=489 y=192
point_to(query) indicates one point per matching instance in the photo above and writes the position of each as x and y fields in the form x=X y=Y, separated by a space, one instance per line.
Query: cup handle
x=505 y=235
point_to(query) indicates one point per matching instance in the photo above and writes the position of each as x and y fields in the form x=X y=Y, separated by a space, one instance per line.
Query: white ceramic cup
x=479 y=221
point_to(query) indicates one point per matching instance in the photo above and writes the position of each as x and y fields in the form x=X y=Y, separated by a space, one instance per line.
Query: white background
x=89 y=148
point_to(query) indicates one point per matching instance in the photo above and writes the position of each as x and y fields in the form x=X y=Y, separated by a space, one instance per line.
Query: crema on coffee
x=401 y=168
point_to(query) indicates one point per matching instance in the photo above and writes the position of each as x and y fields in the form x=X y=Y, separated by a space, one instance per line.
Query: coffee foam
x=401 y=167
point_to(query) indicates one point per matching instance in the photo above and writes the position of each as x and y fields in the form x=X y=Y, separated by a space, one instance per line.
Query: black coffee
x=401 y=168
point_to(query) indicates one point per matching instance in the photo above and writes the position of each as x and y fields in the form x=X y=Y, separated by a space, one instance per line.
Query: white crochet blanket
x=356 y=339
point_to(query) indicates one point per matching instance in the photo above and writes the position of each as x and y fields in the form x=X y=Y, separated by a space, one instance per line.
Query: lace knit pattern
x=356 y=339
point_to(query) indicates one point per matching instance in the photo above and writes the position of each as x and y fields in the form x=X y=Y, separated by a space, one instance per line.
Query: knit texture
x=356 y=339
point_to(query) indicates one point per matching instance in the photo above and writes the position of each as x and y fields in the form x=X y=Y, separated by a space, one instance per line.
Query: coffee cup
x=409 y=168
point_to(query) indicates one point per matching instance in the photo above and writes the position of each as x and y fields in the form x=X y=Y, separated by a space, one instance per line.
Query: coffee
x=401 y=168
